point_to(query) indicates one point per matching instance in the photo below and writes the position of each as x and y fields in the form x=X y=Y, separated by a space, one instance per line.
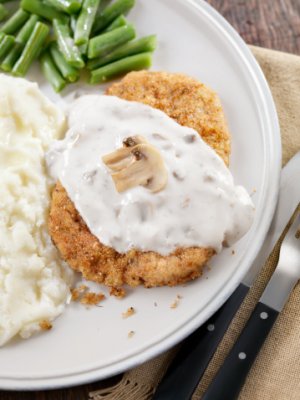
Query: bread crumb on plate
x=117 y=292
x=45 y=325
x=130 y=311
x=77 y=292
x=92 y=299
x=176 y=301
x=84 y=296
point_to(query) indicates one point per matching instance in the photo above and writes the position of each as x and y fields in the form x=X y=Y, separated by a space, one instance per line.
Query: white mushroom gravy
x=199 y=206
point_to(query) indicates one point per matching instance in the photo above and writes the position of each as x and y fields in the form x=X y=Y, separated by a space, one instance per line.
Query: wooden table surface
x=274 y=24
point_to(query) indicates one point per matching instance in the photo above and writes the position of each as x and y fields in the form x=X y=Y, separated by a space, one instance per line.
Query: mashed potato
x=33 y=281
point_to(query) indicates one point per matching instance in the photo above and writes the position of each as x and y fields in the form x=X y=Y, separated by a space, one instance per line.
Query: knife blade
x=195 y=353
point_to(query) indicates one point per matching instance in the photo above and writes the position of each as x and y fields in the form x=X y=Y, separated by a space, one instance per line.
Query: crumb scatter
x=77 y=292
x=83 y=295
x=92 y=299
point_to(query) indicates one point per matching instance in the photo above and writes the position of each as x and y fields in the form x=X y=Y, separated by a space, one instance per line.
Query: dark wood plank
x=274 y=24
x=269 y=23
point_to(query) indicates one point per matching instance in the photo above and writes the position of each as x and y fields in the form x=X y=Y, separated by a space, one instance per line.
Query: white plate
x=86 y=345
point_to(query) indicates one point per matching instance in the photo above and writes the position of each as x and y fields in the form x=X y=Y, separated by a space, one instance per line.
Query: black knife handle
x=231 y=376
x=192 y=359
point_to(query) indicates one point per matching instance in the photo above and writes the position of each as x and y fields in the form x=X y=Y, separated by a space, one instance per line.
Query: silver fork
x=287 y=272
x=232 y=374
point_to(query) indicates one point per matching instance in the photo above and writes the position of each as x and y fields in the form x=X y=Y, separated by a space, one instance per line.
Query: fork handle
x=232 y=374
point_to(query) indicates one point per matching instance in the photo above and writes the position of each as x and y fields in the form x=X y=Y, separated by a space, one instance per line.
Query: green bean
x=2 y=34
x=68 y=6
x=6 y=44
x=132 y=63
x=41 y=9
x=3 y=12
x=66 y=43
x=11 y=58
x=51 y=73
x=69 y=73
x=85 y=21
x=117 y=23
x=15 y=22
x=142 y=45
x=107 y=42
x=110 y=13
x=82 y=48
x=32 y=49
x=25 y=32
x=73 y=22
x=21 y=39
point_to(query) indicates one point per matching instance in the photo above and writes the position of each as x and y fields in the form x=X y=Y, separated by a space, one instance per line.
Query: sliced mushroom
x=147 y=170
x=123 y=157
x=139 y=163
x=119 y=159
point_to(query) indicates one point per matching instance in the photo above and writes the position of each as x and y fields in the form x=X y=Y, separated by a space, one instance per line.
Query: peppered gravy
x=199 y=206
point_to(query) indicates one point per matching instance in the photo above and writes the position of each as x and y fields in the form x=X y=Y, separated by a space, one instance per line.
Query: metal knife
x=195 y=353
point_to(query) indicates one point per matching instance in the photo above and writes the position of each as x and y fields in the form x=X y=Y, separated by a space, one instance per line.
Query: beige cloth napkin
x=276 y=372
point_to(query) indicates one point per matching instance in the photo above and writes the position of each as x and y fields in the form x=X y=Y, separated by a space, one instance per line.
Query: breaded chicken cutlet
x=191 y=104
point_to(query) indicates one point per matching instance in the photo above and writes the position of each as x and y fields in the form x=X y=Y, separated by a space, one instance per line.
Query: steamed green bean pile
x=70 y=35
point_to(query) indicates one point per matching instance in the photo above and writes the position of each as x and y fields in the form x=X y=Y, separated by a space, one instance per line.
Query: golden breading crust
x=191 y=104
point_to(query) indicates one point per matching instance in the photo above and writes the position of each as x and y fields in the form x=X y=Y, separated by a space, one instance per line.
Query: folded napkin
x=276 y=372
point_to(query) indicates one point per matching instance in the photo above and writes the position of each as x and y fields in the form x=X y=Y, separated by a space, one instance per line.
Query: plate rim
x=272 y=124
